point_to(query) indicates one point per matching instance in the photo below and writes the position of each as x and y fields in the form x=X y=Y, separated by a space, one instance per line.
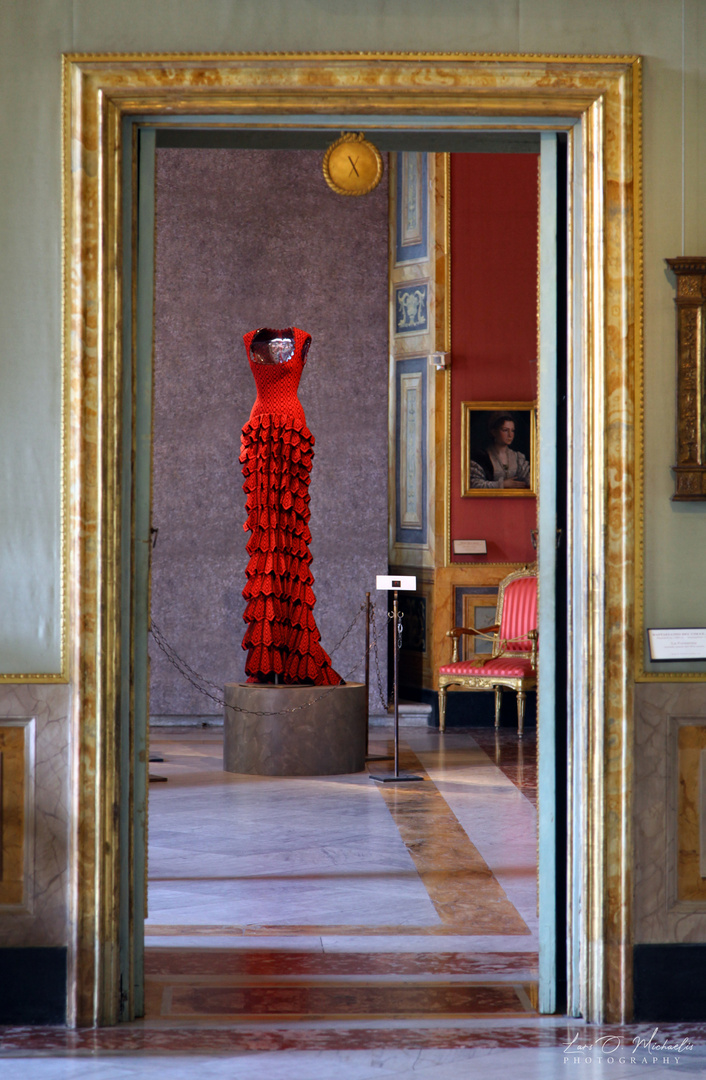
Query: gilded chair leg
x=442 y=708
x=498 y=700
x=521 y=695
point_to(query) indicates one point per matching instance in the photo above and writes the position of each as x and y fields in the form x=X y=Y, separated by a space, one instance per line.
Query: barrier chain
x=200 y=682
x=381 y=692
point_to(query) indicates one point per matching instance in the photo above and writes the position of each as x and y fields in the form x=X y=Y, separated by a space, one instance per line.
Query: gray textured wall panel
x=246 y=239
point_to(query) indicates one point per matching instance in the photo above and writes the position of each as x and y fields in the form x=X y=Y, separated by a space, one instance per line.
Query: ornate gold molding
x=601 y=94
x=690 y=469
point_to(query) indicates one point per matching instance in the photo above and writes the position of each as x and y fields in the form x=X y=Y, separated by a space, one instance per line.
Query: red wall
x=494 y=223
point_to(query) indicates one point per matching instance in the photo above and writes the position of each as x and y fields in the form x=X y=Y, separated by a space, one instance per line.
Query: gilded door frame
x=604 y=94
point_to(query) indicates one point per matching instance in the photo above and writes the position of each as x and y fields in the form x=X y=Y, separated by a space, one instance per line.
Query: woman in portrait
x=498 y=465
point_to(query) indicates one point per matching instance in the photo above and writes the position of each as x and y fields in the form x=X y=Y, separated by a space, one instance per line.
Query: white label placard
x=470 y=547
x=395 y=582
x=683 y=643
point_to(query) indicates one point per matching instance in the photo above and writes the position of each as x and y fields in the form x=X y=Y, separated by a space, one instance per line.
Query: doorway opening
x=180 y=563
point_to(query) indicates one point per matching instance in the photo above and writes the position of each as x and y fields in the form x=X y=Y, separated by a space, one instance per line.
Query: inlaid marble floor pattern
x=320 y=926
x=368 y=896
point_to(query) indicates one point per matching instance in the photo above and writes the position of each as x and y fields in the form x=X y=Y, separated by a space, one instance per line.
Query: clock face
x=352 y=165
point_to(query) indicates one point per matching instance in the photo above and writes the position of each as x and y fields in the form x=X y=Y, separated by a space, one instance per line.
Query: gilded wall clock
x=352 y=165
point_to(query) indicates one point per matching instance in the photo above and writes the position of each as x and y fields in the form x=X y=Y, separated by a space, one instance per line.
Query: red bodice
x=277 y=384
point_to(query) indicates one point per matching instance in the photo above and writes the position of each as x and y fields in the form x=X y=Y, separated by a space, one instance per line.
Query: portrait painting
x=498 y=448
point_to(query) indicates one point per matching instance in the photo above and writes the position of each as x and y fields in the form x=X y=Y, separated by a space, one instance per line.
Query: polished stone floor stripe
x=188 y=963
x=461 y=885
x=177 y=1038
x=333 y=1001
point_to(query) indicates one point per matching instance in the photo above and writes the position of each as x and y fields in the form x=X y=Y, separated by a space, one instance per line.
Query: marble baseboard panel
x=412 y=714
x=42 y=918
x=661 y=711
x=206 y=721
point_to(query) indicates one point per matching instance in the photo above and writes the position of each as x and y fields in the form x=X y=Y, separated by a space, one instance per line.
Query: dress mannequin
x=281 y=638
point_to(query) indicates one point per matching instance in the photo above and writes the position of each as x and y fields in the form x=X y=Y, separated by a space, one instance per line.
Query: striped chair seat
x=508 y=666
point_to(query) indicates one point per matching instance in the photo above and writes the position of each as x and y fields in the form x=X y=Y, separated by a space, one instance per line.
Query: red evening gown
x=277 y=449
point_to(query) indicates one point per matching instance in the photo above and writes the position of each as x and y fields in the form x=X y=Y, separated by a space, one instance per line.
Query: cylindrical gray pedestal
x=324 y=738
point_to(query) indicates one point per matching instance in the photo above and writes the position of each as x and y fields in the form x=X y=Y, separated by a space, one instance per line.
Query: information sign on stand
x=396 y=584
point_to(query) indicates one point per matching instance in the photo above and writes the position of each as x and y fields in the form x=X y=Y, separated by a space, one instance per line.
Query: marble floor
x=320 y=926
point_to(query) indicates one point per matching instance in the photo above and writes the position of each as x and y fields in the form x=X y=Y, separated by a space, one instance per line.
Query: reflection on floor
x=307 y=927
x=516 y=758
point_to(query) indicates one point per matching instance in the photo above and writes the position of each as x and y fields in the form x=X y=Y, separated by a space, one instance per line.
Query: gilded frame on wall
x=690 y=469
x=597 y=102
x=482 y=472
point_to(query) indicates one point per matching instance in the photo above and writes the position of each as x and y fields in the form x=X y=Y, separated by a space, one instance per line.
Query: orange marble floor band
x=461 y=885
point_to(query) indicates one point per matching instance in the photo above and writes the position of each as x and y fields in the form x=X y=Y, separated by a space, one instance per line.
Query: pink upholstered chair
x=513 y=662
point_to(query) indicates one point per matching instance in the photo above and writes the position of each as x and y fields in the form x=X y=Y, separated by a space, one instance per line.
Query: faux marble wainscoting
x=668 y=723
x=41 y=918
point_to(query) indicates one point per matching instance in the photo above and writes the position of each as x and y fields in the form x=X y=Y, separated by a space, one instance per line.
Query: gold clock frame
x=602 y=95
x=350 y=140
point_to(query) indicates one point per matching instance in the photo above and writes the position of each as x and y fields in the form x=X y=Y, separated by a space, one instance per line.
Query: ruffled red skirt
x=281 y=636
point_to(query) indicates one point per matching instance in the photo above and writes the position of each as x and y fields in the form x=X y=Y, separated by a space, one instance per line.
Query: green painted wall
x=33 y=34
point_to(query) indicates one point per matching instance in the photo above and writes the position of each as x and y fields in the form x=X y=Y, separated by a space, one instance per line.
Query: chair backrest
x=517 y=610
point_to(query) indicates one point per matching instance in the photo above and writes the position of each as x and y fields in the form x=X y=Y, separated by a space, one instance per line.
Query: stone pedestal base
x=324 y=738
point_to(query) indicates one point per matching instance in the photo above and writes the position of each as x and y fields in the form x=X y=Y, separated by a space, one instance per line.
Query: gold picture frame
x=481 y=470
